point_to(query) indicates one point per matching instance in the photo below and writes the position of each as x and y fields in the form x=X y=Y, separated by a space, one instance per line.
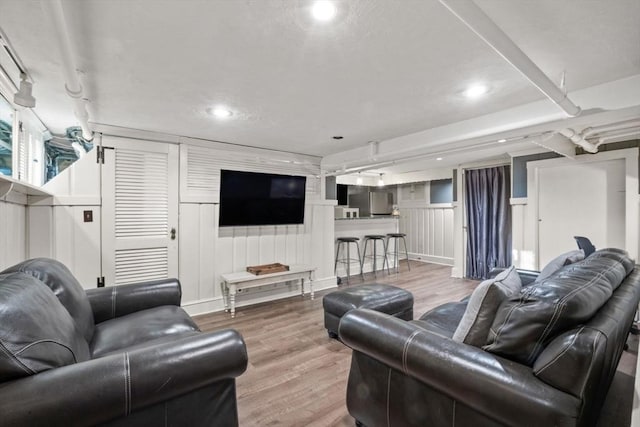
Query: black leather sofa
x=549 y=359
x=125 y=355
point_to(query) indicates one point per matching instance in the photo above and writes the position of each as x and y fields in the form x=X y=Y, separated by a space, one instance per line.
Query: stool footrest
x=379 y=297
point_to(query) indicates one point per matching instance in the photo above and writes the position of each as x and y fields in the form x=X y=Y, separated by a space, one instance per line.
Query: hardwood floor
x=297 y=376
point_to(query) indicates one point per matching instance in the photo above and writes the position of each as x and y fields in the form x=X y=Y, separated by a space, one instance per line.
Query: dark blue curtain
x=488 y=220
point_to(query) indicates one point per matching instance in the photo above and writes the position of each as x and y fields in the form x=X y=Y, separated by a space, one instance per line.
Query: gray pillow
x=473 y=329
x=560 y=261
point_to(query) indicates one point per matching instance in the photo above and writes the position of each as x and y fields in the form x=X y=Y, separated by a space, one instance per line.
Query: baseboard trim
x=212 y=305
x=456 y=272
x=204 y=306
x=434 y=259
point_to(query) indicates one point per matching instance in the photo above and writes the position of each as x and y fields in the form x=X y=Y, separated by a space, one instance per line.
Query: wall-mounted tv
x=250 y=198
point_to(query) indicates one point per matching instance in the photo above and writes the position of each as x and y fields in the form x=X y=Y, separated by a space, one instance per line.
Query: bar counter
x=359 y=227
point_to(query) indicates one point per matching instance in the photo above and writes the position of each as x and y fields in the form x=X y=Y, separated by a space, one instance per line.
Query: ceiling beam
x=478 y=21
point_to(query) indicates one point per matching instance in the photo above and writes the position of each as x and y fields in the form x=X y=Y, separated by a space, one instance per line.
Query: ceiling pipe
x=72 y=81
x=631 y=132
x=610 y=127
x=579 y=140
x=474 y=18
x=430 y=155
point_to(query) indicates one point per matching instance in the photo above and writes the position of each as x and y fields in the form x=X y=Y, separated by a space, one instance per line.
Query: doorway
x=584 y=199
x=488 y=216
x=140 y=211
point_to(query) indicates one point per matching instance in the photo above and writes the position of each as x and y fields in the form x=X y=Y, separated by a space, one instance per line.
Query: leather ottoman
x=383 y=298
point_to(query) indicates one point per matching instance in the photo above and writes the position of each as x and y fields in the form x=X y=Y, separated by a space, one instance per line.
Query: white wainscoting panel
x=522 y=235
x=360 y=227
x=77 y=243
x=197 y=235
x=429 y=230
x=40 y=240
x=207 y=251
x=13 y=232
x=59 y=232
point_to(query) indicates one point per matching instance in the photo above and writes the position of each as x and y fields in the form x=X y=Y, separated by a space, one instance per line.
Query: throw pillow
x=473 y=329
x=560 y=261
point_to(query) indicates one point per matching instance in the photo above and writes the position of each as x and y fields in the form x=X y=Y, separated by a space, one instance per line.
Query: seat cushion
x=37 y=333
x=122 y=333
x=64 y=285
x=473 y=328
x=444 y=319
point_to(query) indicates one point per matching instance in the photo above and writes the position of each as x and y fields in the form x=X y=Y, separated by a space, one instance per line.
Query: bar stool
x=396 y=238
x=341 y=241
x=375 y=238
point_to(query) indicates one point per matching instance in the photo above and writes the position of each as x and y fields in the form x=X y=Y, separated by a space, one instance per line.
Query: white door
x=140 y=211
x=585 y=199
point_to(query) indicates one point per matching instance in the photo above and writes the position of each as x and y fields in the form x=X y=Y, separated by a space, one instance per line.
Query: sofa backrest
x=583 y=360
x=37 y=332
x=64 y=285
x=526 y=323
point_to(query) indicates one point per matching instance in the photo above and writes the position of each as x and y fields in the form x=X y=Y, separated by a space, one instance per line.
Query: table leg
x=232 y=300
x=225 y=298
x=302 y=286
x=311 y=284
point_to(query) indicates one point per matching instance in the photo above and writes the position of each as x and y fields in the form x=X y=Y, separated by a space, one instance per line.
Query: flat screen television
x=250 y=198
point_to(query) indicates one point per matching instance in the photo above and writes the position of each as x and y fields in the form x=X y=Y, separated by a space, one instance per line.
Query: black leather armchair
x=126 y=355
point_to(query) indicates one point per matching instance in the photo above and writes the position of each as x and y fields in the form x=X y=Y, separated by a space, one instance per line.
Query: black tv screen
x=250 y=198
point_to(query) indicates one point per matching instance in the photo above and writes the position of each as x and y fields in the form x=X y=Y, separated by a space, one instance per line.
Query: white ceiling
x=381 y=70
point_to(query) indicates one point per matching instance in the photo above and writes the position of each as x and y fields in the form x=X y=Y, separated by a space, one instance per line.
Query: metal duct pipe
x=474 y=18
x=577 y=139
x=72 y=81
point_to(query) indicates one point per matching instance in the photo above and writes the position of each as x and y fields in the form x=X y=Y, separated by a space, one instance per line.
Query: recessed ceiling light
x=438 y=158
x=324 y=10
x=337 y=137
x=476 y=91
x=502 y=140
x=221 y=112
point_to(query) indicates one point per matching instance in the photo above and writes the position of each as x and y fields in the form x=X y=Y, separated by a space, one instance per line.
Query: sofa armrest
x=114 y=386
x=464 y=373
x=526 y=276
x=116 y=301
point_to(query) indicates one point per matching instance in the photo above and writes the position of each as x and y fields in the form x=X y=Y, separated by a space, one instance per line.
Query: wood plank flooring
x=296 y=375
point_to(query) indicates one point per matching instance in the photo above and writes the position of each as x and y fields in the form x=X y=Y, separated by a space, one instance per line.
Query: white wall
x=525 y=211
x=208 y=251
x=59 y=232
x=56 y=227
x=12 y=231
x=429 y=227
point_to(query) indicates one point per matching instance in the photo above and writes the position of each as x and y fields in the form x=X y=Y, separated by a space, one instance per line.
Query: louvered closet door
x=140 y=210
